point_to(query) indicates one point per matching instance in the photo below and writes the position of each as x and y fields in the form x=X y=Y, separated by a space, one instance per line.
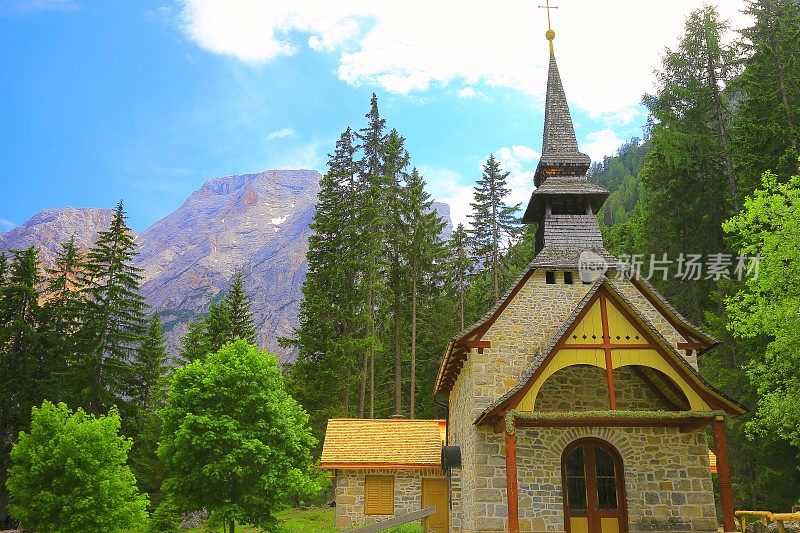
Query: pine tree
x=3 y=268
x=152 y=371
x=396 y=160
x=424 y=250
x=766 y=131
x=151 y=366
x=241 y=317
x=115 y=317
x=21 y=361
x=228 y=320
x=330 y=336
x=372 y=176
x=690 y=187
x=63 y=312
x=195 y=343
x=459 y=269
x=493 y=222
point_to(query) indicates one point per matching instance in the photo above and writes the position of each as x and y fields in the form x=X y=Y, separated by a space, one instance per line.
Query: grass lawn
x=314 y=520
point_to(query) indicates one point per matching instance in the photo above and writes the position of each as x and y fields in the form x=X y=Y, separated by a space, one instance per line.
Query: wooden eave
x=696 y=339
x=378 y=466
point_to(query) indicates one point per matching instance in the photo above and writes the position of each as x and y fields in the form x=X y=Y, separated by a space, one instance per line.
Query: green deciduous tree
x=767 y=305
x=69 y=474
x=233 y=440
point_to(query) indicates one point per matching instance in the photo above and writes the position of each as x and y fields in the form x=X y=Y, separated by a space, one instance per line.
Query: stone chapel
x=575 y=403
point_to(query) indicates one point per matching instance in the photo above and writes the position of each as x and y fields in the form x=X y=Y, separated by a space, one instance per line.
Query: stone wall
x=673 y=468
x=350 y=494
x=584 y=388
x=667 y=481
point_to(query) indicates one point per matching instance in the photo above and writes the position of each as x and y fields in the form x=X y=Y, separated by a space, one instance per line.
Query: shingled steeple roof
x=560 y=154
x=565 y=202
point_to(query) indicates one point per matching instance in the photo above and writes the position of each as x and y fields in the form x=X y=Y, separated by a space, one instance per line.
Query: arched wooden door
x=593 y=484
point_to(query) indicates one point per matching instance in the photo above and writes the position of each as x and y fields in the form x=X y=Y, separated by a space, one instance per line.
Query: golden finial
x=549 y=34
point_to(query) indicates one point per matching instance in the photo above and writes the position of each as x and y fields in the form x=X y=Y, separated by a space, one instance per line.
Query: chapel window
x=568 y=278
x=550 y=277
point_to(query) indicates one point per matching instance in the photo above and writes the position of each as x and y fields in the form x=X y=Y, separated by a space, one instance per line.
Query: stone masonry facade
x=584 y=388
x=350 y=494
x=668 y=484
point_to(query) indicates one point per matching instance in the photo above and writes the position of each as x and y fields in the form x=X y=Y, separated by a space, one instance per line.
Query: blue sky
x=146 y=100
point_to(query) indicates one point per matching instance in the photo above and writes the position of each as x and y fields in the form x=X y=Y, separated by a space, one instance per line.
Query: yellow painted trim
x=564 y=358
x=590 y=324
x=619 y=358
x=653 y=359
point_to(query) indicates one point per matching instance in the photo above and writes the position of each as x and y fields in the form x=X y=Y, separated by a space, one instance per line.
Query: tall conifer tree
x=687 y=174
x=21 y=361
x=459 y=269
x=372 y=178
x=115 y=317
x=241 y=317
x=424 y=252
x=766 y=130
x=493 y=221
x=64 y=311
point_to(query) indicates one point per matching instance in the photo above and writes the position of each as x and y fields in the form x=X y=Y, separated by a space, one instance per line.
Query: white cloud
x=447 y=186
x=283 y=133
x=452 y=188
x=409 y=46
x=6 y=225
x=601 y=143
x=467 y=92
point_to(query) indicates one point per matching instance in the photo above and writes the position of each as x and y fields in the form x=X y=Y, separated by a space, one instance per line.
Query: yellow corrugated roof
x=387 y=443
x=712 y=462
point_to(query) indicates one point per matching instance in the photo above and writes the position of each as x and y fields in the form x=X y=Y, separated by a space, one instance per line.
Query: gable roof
x=567 y=258
x=513 y=396
x=357 y=443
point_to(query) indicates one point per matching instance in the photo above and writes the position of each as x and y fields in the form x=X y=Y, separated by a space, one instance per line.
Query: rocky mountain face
x=48 y=229
x=258 y=223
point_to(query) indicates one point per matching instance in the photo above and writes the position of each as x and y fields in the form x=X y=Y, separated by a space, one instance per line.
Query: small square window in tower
x=550 y=277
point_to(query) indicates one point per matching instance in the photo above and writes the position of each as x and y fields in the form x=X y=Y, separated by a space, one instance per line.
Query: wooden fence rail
x=765 y=517
x=396 y=521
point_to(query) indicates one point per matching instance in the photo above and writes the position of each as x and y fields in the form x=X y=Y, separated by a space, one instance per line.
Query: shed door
x=594 y=488
x=435 y=492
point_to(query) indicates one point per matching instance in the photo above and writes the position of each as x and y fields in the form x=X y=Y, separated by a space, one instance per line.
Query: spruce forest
x=716 y=171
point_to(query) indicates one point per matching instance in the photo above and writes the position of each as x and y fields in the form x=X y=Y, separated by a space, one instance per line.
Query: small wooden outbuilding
x=386 y=467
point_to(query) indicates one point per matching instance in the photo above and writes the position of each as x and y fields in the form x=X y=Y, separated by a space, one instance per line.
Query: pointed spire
x=560 y=154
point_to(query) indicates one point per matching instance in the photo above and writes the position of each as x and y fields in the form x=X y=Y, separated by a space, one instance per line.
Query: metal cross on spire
x=550 y=34
x=548 y=7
